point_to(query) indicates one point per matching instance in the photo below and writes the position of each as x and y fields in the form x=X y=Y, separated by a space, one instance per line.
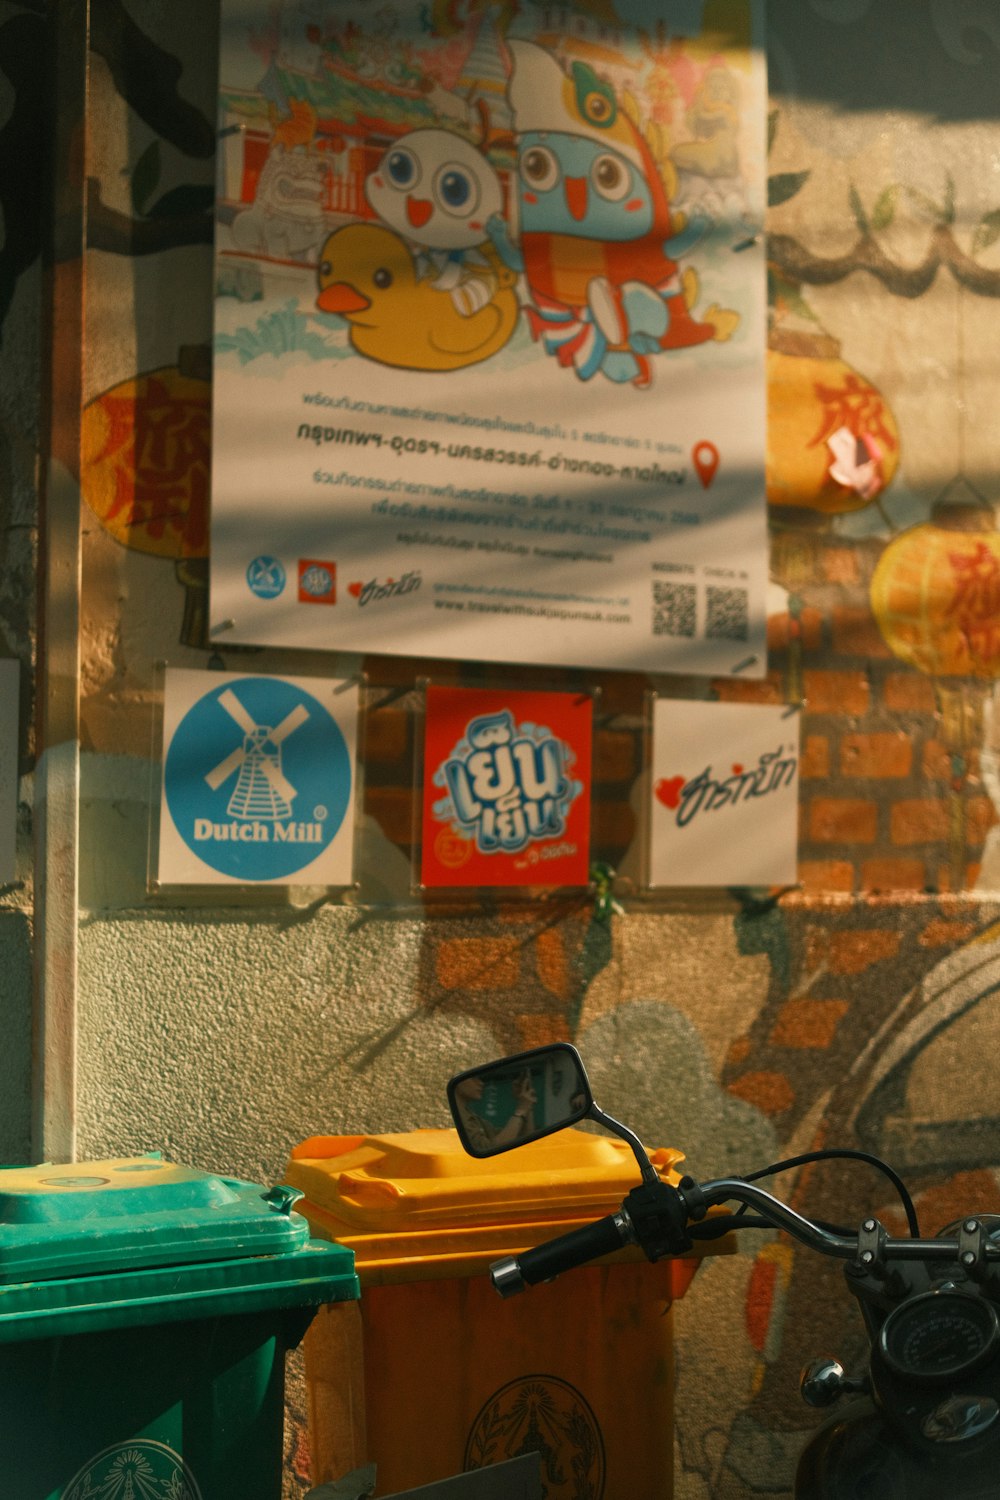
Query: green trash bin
x=145 y=1312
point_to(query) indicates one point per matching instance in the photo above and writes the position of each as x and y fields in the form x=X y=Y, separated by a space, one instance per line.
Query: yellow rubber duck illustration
x=368 y=276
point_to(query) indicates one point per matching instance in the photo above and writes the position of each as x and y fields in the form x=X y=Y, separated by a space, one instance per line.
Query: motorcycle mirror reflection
x=520 y=1098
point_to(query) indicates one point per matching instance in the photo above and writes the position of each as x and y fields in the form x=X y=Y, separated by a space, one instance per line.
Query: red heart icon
x=668 y=791
x=354 y=589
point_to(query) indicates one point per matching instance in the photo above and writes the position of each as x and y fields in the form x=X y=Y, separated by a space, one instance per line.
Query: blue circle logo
x=257 y=778
x=266 y=577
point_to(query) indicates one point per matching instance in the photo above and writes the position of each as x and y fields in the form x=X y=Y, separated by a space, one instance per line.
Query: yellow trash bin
x=431 y=1373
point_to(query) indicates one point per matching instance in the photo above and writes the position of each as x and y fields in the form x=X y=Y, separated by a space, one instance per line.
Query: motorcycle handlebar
x=725 y=1189
x=844 y=1246
x=512 y=1274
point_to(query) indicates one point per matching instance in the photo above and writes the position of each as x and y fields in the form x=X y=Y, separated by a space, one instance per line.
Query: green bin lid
x=102 y=1217
x=278 y=1284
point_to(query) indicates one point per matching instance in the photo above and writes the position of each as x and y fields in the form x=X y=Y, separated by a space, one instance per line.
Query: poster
x=10 y=688
x=506 y=788
x=490 y=331
x=258 y=782
x=724 y=805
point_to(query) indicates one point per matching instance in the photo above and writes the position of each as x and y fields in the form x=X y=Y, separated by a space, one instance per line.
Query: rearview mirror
x=519 y=1098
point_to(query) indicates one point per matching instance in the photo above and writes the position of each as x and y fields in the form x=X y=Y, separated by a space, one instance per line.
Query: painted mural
x=857 y=1008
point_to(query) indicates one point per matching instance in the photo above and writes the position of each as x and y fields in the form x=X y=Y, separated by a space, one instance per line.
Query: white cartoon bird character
x=438 y=191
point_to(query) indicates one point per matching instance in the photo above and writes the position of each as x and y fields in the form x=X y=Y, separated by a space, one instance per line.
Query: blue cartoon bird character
x=598 y=243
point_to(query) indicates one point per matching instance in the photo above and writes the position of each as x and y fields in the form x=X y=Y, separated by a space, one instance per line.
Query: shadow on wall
x=950 y=76
x=649 y=1068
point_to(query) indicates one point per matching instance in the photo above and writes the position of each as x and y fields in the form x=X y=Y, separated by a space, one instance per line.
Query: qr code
x=727 y=614
x=675 y=608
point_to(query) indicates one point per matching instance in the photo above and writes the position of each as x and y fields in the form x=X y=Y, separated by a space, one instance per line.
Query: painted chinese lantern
x=144 y=471
x=936 y=593
x=832 y=442
x=145 y=463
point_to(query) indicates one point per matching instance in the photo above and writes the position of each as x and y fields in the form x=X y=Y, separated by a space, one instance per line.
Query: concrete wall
x=861 y=1006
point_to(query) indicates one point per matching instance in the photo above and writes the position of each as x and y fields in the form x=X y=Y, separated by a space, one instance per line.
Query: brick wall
x=891 y=798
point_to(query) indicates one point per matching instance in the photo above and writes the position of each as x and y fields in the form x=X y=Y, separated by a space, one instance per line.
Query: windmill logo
x=266 y=577
x=258 y=776
x=262 y=790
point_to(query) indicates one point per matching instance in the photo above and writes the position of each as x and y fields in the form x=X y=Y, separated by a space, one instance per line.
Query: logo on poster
x=257 y=779
x=452 y=849
x=507 y=784
x=373 y=591
x=706 y=793
x=266 y=577
x=317 y=581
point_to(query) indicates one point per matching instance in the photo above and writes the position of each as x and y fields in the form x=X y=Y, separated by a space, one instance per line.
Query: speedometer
x=938 y=1335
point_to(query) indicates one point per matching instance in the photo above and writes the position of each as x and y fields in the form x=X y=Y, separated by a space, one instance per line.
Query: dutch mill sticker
x=258 y=779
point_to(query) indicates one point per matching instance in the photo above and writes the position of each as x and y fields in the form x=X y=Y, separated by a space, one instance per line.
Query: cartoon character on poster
x=423 y=288
x=599 y=243
x=506 y=788
x=515 y=180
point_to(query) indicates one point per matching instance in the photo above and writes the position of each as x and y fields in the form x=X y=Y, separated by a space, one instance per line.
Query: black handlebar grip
x=561 y=1254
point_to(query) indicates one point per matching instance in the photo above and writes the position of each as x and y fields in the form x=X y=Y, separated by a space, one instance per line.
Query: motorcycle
x=920 y=1420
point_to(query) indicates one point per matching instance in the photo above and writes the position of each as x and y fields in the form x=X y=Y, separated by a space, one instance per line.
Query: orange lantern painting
x=832 y=443
x=145 y=448
x=936 y=593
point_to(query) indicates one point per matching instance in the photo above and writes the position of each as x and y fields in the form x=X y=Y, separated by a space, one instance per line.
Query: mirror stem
x=649 y=1173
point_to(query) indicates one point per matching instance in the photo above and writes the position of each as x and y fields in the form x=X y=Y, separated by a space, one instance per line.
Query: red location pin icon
x=705 y=456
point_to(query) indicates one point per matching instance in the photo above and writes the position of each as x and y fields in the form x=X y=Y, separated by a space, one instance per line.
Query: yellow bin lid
x=414 y=1206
